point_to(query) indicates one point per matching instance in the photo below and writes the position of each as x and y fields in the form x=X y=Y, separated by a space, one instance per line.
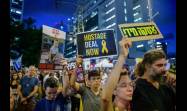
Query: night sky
x=45 y=12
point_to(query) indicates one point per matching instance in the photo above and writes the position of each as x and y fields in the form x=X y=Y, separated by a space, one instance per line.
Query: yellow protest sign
x=140 y=31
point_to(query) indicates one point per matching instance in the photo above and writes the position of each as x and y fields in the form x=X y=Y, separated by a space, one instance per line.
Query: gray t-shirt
x=91 y=102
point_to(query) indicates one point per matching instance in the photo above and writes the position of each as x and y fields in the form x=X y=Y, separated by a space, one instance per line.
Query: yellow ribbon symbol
x=104 y=48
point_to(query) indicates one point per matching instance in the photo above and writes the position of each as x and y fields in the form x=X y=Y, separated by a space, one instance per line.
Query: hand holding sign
x=125 y=43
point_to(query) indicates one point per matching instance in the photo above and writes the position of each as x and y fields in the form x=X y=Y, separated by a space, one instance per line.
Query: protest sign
x=52 y=48
x=140 y=31
x=96 y=43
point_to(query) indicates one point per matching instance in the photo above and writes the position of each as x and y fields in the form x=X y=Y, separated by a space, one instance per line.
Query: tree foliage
x=26 y=40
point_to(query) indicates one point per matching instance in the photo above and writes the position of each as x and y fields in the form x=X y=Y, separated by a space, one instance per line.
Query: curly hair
x=149 y=58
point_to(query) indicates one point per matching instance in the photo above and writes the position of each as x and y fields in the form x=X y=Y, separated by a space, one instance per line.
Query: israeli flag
x=17 y=63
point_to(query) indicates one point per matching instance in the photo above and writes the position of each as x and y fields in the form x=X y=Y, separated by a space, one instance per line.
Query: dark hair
x=51 y=74
x=123 y=74
x=93 y=73
x=149 y=58
x=13 y=75
x=51 y=82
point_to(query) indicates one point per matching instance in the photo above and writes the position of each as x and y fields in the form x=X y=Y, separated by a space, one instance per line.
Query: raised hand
x=125 y=44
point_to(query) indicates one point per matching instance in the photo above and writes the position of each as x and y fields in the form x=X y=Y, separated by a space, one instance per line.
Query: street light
x=70 y=38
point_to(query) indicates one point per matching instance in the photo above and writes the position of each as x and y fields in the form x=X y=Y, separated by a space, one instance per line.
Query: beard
x=157 y=77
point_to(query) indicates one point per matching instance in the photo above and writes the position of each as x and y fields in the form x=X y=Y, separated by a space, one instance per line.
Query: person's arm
x=20 y=94
x=65 y=84
x=12 y=99
x=73 y=79
x=115 y=73
x=19 y=91
x=33 y=92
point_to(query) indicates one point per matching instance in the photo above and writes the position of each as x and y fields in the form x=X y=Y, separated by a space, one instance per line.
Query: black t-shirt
x=147 y=98
x=75 y=103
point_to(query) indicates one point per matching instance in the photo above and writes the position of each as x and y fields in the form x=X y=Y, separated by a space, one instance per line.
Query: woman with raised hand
x=118 y=91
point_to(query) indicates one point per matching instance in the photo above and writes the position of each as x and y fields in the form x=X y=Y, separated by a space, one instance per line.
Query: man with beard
x=150 y=94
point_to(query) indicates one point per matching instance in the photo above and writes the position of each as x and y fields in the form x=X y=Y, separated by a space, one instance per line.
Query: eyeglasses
x=131 y=84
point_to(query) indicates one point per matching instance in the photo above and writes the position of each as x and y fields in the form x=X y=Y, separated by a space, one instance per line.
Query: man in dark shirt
x=150 y=94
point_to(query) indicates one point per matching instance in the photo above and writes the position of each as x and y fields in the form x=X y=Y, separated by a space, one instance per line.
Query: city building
x=16 y=10
x=69 y=27
x=108 y=14
x=70 y=47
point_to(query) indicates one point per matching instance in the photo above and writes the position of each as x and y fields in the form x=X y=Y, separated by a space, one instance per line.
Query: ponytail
x=139 y=69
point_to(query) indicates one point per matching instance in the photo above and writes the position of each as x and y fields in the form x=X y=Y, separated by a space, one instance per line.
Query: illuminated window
x=125 y=4
x=69 y=48
x=110 y=10
x=158 y=43
x=139 y=46
x=93 y=14
x=109 y=3
x=113 y=16
x=125 y=10
x=18 y=12
x=94 y=28
x=109 y=26
x=138 y=19
x=126 y=18
x=135 y=14
x=13 y=10
x=136 y=7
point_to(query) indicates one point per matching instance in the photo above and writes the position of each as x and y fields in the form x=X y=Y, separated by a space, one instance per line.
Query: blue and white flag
x=17 y=63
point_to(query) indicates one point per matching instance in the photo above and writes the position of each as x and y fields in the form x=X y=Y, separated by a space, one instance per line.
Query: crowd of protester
x=152 y=87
